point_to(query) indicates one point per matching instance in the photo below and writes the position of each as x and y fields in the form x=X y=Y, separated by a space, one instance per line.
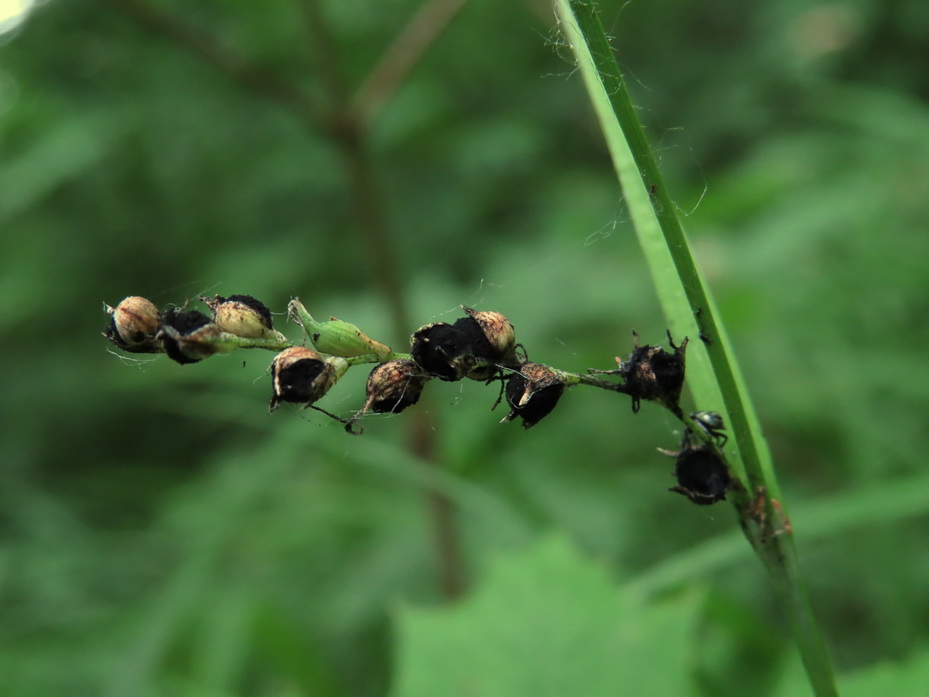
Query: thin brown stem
x=341 y=124
x=248 y=74
x=349 y=134
x=423 y=29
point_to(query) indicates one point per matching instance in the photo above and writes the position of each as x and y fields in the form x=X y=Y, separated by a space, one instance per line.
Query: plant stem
x=348 y=133
x=688 y=306
x=402 y=55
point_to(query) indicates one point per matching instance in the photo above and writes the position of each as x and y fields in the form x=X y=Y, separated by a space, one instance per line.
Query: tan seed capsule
x=242 y=315
x=134 y=323
x=393 y=386
x=499 y=332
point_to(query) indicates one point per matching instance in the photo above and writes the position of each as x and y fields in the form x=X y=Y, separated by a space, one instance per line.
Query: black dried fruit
x=187 y=335
x=393 y=386
x=532 y=393
x=301 y=375
x=701 y=474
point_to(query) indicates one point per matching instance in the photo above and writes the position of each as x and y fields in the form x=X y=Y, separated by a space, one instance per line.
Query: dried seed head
x=701 y=474
x=189 y=336
x=532 y=393
x=301 y=375
x=499 y=334
x=241 y=315
x=652 y=373
x=134 y=323
x=394 y=386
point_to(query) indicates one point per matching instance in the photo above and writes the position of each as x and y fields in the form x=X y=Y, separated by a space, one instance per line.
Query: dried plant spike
x=134 y=324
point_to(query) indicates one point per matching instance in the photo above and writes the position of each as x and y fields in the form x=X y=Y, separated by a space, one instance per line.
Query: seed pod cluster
x=188 y=336
x=480 y=346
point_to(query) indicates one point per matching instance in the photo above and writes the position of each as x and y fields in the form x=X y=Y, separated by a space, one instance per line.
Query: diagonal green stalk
x=713 y=375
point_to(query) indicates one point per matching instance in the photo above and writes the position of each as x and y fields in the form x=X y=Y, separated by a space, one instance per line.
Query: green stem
x=713 y=375
x=230 y=342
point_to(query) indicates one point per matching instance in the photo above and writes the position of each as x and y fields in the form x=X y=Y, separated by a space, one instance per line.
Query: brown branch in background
x=249 y=75
x=342 y=125
x=348 y=132
x=402 y=55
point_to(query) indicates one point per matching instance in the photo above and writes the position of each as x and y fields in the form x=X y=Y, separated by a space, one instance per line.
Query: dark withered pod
x=476 y=347
x=393 y=386
x=187 y=335
x=302 y=376
x=134 y=324
x=653 y=374
x=701 y=475
x=447 y=351
x=241 y=315
x=532 y=393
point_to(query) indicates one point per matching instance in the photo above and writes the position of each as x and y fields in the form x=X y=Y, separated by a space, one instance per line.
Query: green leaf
x=908 y=678
x=547 y=622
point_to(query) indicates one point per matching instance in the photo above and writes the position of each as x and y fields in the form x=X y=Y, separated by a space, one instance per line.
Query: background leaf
x=547 y=621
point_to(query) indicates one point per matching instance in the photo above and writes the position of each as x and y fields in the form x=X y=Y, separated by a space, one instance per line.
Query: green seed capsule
x=335 y=337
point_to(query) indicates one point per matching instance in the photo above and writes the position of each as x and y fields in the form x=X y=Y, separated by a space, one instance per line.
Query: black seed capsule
x=301 y=375
x=701 y=475
x=476 y=346
x=241 y=315
x=532 y=393
x=443 y=350
x=187 y=335
x=393 y=386
x=653 y=374
x=134 y=323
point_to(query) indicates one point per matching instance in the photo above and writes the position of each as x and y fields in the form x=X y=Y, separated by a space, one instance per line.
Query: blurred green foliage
x=160 y=534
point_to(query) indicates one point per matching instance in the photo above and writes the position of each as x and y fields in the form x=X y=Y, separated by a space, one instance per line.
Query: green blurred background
x=161 y=534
